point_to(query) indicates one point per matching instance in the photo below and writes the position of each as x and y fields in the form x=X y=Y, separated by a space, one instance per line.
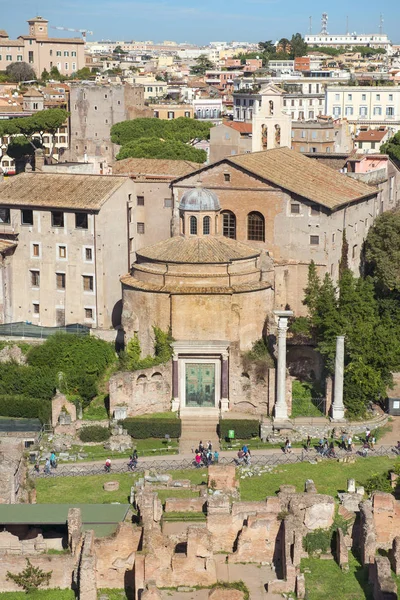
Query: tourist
x=201 y=447
x=107 y=466
x=397 y=448
x=245 y=448
x=325 y=448
x=47 y=466
x=197 y=460
x=349 y=444
x=343 y=441
x=209 y=446
x=216 y=457
x=240 y=457
x=331 y=451
x=53 y=460
x=132 y=464
x=367 y=434
x=247 y=457
x=308 y=443
x=288 y=446
x=320 y=445
x=37 y=466
x=372 y=442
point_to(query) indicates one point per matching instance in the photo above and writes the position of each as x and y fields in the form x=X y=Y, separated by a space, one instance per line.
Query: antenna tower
x=381 y=23
x=310 y=27
x=324 y=24
x=347 y=25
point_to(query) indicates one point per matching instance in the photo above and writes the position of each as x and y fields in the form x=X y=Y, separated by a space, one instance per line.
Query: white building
x=372 y=106
x=371 y=40
x=208 y=109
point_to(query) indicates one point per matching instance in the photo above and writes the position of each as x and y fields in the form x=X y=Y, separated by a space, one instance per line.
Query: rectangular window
x=140 y=200
x=8 y=57
x=4 y=215
x=35 y=278
x=363 y=97
x=315 y=212
x=30 y=57
x=66 y=53
x=88 y=254
x=81 y=220
x=140 y=227
x=89 y=313
x=363 y=111
x=60 y=281
x=167 y=202
x=62 y=251
x=349 y=97
x=390 y=97
x=333 y=238
x=131 y=245
x=390 y=111
x=314 y=240
x=19 y=57
x=171 y=114
x=26 y=216
x=57 y=218
x=354 y=251
x=295 y=208
x=58 y=53
x=227 y=177
x=88 y=283
x=36 y=308
x=35 y=250
x=391 y=189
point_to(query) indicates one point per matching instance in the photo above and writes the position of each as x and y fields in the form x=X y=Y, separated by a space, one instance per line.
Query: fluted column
x=338 y=406
x=281 y=409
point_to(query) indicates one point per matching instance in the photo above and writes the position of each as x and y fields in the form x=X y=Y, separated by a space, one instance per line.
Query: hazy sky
x=201 y=21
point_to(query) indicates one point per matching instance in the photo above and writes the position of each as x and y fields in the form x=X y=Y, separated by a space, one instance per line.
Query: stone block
x=319 y=516
x=222 y=478
x=360 y=491
x=394 y=555
x=310 y=487
x=221 y=594
x=300 y=587
x=111 y=486
x=184 y=505
x=383 y=502
x=351 y=486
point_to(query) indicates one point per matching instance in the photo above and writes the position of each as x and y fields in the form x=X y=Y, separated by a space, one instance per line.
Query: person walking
x=209 y=446
x=367 y=434
x=107 y=466
x=53 y=460
x=216 y=457
x=308 y=443
x=349 y=444
x=47 y=466
x=201 y=447
x=197 y=460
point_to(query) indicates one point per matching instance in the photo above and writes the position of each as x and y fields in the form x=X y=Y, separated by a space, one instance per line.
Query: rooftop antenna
x=324 y=24
x=310 y=28
x=381 y=24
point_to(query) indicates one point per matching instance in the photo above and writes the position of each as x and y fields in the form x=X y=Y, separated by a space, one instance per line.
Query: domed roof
x=198 y=199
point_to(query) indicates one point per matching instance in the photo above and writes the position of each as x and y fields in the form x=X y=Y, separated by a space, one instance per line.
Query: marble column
x=338 y=406
x=175 y=384
x=224 y=382
x=281 y=409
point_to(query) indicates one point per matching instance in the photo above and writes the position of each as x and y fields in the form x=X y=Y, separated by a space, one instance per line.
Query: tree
x=268 y=47
x=298 y=45
x=84 y=73
x=203 y=64
x=45 y=76
x=31 y=578
x=344 y=259
x=156 y=148
x=392 y=147
x=284 y=45
x=20 y=71
x=19 y=147
x=55 y=74
x=182 y=129
x=382 y=252
x=119 y=50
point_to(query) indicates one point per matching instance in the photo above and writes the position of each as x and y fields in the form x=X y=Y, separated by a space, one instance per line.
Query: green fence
x=28 y=330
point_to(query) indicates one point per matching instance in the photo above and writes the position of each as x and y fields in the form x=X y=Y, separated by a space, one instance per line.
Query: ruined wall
x=61 y=566
x=115 y=557
x=142 y=392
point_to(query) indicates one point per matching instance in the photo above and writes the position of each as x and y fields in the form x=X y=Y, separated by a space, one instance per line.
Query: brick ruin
x=148 y=551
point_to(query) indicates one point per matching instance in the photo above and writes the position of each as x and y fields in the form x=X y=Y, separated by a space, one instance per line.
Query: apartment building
x=41 y=51
x=152 y=88
x=208 y=109
x=70 y=245
x=95 y=108
x=339 y=40
x=230 y=138
x=364 y=105
x=171 y=110
x=223 y=80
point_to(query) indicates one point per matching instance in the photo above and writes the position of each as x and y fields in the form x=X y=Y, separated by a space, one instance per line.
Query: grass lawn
x=326 y=576
x=164 y=494
x=329 y=477
x=55 y=594
x=162 y=415
x=147 y=447
x=113 y=594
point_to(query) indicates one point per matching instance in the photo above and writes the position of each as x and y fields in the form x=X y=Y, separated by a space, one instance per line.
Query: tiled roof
x=13 y=43
x=86 y=192
x=33 y=93
x=154 y=166
x=169 y=288
x=371 y=135
x=203 y=250
x=303 y=176
x=3 y=33
x=240 y=127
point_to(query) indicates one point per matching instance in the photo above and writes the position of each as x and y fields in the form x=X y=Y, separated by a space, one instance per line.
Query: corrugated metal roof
x=86 y=192
x=213 y=249
x=303 y=176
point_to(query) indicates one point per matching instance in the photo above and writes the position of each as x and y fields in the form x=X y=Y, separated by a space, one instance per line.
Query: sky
x=200 y=21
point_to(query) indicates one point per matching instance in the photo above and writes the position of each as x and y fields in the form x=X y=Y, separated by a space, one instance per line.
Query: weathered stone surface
x=184 y=505
x=310 y=487
x=111 y=486
x=151 y=593
x=342 y=552
x=221 y=594
x=13 y=354
x=119 y=443
x=351 y=486
x=300 y=587
x=368 y=542
x=74 y=523
x=87 y=569
x=222 y=478
x=257 y=540
x=351 y=502
x=60 y=404
x=382 y=581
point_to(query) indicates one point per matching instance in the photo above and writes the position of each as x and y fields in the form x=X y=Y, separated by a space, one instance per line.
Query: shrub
x=320 y=539
x=244 y=429
x=152 y=428
x=21 y=380
x=31 y=578
x=378 y=483
x=25 y=407
x=94 y=433
x=130 y=359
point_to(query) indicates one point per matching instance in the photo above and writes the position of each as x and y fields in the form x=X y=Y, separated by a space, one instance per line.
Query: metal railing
x=29 y=330
x=260 y=460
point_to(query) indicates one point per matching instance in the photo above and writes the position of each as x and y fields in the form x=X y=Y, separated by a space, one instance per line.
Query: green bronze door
x=200 y=384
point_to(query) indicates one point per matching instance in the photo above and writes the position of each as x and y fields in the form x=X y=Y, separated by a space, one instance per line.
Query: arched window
x=229 y=224
x=255 y=227
x=193 y=226
x=206 y=225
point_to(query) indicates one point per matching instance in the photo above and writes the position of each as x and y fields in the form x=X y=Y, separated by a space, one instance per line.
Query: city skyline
x=158 y=20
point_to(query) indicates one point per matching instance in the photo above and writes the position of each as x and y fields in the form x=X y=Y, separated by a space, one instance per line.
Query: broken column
x=338 y=406
x=281 y=409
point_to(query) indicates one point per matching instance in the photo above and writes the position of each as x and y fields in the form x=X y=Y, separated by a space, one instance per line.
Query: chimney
x=39 y=159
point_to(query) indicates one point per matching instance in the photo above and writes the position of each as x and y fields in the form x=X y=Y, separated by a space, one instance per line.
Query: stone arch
x=142 y=379
x=157 y=377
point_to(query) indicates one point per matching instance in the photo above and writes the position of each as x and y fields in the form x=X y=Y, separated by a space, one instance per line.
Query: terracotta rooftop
x=86 y=192
x=13 y=43
x=243 y=128
x=300 y=175
x=204 y=250
x=3 y=33
x=371 y=135
x=154 y=167
x=33 y=93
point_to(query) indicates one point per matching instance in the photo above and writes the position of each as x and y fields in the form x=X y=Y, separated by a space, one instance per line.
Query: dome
x=199 y=199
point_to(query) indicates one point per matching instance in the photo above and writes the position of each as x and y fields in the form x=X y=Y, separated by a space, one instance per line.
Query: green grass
x=113 y=594
x=147 y=447
x=54 y=594
x=96 y=411
x=329 y=477
x=326 y=576
x=195 y=476
x=88 y=489
x=162 y=415
x=184 y=516
x=304 y=407
x=164 y=494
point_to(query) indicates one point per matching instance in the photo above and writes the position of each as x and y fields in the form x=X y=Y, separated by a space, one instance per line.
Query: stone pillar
x=281 y=409
x=224 y=383
x=338 y=406
x=175 y=384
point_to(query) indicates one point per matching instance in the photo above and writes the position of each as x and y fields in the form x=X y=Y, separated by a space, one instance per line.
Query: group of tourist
x=204 y=455
x=244 y=456
x=50 y=463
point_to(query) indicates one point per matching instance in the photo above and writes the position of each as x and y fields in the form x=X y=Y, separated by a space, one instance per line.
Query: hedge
x=24 y=407
x=23 y=380
x=244 y=428
x=152 y=428
x=94 y=433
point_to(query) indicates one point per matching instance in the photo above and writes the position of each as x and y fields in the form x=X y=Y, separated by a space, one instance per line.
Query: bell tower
x=38 y=27
x=272 y=126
